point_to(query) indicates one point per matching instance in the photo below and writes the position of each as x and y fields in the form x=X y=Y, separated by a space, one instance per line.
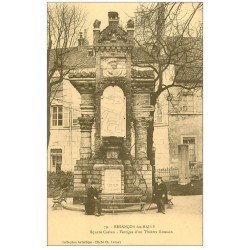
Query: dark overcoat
x=160 y=190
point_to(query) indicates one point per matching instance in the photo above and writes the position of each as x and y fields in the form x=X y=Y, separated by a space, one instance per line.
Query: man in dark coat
x=93 y=199
x=160 y=195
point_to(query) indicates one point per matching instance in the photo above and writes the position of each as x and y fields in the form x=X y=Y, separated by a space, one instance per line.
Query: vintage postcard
x=124 y=125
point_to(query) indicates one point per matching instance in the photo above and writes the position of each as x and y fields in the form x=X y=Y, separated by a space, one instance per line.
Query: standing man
x=160 y=194
x=93 y=199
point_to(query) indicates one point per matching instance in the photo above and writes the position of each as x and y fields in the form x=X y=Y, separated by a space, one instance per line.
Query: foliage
x=64 y=23
x=58 y=180
x=195 y=187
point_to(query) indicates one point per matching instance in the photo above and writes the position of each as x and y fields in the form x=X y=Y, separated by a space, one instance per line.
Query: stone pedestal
x=111 y=177
x=184 y=172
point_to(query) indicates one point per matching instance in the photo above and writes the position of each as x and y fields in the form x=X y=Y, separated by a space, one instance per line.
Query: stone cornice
x=114 y=80
x=88 y=75
x=142 y=74
x=113 y=48
x=143 y=108
x=142 y=86
x=84 y=86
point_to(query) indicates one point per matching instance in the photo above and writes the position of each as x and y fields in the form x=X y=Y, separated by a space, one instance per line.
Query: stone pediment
x=113 y=34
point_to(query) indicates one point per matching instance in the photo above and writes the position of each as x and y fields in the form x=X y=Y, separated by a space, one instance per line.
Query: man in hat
x=93 y=198
x=160 y=194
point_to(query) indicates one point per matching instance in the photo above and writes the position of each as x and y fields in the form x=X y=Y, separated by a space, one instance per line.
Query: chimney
x=96 y=31
x=130 y=30
x=113 y=19
x=82 y=41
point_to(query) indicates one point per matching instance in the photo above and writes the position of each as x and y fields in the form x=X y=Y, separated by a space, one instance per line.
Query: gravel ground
x=181 y=225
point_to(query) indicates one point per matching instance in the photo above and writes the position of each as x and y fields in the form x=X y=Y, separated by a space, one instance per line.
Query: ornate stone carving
x=130 y=24
x=113 y=15
x=113 y=32
x=141 y=99
x=142 y=122
x=86 y=122
x=97 y=24
x=83 y=74
x=113 y=67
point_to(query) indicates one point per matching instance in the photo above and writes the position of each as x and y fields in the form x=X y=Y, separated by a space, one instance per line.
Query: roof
x=74 y=58
x=109 y=32
x=183 y=50
x=189 y=75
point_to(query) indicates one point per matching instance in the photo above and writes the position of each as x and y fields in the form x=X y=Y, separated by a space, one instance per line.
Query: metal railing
x=196 y=170
x=172 y=173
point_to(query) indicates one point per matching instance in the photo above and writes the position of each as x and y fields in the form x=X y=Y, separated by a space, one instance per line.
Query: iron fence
x=196 y=170
x=172 y=173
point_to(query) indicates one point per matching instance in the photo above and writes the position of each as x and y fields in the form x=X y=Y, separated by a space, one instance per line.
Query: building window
x=57 y=115
x=187 y=102
x=75 y=121
x=56 y=159
x=190 y=141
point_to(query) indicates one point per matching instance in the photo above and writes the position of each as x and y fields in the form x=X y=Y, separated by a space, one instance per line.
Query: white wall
x=67 y=137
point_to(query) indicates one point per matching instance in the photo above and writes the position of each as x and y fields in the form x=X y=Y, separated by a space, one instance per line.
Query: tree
x=170 y=37
x=64 y=23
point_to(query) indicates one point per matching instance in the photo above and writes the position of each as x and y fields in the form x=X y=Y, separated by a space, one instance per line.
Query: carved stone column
x=86 y=122
x=141 y=125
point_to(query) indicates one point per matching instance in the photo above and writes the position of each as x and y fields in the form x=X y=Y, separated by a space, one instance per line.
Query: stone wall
x=186 y=125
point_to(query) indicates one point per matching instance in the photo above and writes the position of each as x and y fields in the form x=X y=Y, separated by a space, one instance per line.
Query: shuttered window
x=57 y=115
x=187 y=102
x=66 y=116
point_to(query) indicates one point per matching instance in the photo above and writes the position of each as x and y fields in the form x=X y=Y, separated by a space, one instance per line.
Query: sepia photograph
x=125 y=123
x=139 y=139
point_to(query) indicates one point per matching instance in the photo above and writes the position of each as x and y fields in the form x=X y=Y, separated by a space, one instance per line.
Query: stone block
x=78 y=177
x=79 y=185
x=148 y=178
x=86 y=172
x=149 y=167
x=96 y=172
x=130 y=181
x=77 y=180
x=77 y=172
x=98 y=166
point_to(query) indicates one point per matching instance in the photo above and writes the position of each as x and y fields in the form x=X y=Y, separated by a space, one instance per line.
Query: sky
x=100 y=11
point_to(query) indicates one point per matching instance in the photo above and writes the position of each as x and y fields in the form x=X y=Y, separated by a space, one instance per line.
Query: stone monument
x=110 y=163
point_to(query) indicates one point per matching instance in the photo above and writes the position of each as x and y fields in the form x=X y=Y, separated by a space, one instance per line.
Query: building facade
x=63 y=150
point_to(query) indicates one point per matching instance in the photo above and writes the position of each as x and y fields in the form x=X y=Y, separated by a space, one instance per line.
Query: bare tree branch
x=64 y=23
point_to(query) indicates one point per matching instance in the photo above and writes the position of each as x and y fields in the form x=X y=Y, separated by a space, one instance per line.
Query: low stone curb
x=78 y=209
